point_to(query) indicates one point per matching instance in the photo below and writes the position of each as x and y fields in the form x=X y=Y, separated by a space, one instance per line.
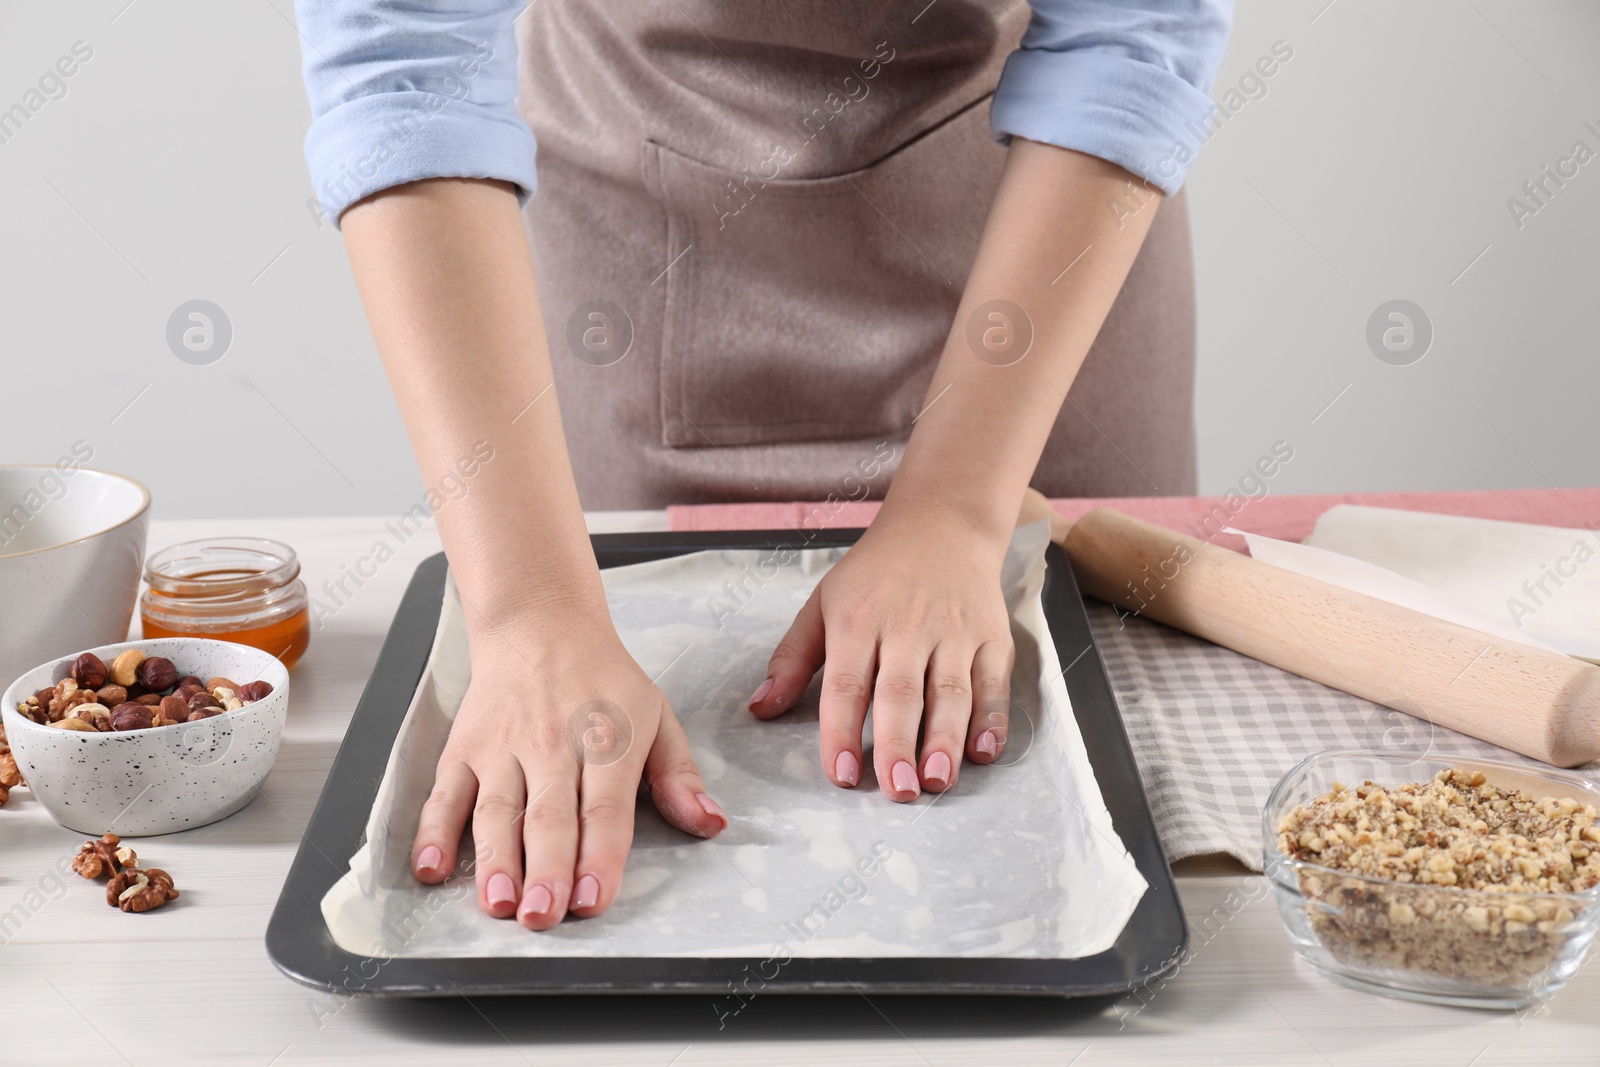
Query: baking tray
x=299 y=943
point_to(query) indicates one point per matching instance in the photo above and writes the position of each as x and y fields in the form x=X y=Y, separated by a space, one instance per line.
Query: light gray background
x=1376 y=167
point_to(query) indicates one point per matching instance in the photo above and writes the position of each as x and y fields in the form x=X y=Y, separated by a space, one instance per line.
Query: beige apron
x=753 y=224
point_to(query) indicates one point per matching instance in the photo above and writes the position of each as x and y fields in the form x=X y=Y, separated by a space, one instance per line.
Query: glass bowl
x=1440 y=944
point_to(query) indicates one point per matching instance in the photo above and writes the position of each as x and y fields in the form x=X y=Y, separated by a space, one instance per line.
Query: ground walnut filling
x=1471 y=870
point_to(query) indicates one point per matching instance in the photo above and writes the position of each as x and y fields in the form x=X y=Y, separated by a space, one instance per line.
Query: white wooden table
x=81 y=983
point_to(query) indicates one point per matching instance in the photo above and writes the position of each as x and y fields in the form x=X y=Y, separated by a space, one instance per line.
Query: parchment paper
x=1537 y=585
x=1369 y=579
x=1019 y=860
x=1542 y=581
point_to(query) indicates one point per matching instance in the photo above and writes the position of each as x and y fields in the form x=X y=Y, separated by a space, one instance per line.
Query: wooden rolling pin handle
x=1539 y=703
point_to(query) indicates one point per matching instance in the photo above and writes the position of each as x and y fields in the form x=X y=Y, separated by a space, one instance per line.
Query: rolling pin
x=1541 y=704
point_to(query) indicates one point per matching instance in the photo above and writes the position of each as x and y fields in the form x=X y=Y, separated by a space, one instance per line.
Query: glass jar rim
x=261 y=564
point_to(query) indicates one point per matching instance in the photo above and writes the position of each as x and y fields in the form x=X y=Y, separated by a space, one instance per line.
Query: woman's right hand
x=546 y=757
x=458 y=323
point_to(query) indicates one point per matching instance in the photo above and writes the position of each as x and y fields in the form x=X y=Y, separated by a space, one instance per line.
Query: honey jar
x=241 y=589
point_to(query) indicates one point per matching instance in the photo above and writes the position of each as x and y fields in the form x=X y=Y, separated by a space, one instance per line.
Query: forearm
x=1054 y=247
x=445 y=276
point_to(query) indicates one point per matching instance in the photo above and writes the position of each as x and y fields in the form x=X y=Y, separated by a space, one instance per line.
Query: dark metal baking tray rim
x=299 y=944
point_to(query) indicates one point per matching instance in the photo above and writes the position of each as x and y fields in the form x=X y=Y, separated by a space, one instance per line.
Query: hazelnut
x=111 y=695
x=196 y=701
x=157 y=673
x=70 y=723
x=149 y=700
x=188 y=689
x=190 y=679
x=132 y=717
x=212 y=683
x=203 y=713
x=125 y=665
x=171 y=710
x=89 y=671
x=251 y=691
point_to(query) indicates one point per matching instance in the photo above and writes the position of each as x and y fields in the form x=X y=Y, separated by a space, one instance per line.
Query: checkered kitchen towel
x=1213 y=731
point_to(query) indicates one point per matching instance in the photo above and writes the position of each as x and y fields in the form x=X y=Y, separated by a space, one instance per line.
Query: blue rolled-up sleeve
x=1125 y=80
x=402 y=91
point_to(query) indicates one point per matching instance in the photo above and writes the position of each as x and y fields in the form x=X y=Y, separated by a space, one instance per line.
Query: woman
x=773 y=247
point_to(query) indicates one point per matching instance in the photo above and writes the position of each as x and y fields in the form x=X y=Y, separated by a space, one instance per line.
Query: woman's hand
x=559 y=724
x=912 y=620
x=546 y=759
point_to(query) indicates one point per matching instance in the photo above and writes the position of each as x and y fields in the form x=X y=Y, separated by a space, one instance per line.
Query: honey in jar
x=241 y=589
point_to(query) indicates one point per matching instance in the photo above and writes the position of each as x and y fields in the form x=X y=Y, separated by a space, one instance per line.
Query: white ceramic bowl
x=72 y=546
x=167 y=778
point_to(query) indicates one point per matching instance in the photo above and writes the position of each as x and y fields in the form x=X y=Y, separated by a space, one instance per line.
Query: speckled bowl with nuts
x=137 y=783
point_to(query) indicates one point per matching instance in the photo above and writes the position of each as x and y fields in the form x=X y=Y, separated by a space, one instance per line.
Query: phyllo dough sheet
x=1018 y=860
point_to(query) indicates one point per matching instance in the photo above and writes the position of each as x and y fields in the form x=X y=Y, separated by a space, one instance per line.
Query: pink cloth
x=1289 y=518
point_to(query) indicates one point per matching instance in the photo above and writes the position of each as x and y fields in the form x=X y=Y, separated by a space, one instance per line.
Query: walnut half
x=104 y=857
x=136 y=890
x=10 y=774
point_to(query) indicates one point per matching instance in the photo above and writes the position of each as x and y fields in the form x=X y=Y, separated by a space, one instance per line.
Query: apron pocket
x=810 y=310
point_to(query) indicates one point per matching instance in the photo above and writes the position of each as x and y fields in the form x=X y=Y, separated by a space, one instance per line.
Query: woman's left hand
x=913 y=621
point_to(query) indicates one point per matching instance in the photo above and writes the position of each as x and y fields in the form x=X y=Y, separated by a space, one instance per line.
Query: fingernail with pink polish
x=847 y=769
x=903 y=777
x=501 y=890
x=988 y=744
x=587 y=894
x=536 y=901
x=712 y=808
x=937 y=768
x=761 y=691
x=429 y=859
